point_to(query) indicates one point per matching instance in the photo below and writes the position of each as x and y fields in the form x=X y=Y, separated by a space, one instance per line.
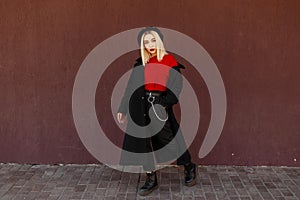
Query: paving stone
x=120 y=196
x=175 y=197
x=256 y=196
x=222 y=195
x=286 y=192
x=187 y=198
x=199 y=198
x=88 y=195
x=275 y=192
x=210 y=196
x=100 y=192
x=130 y=196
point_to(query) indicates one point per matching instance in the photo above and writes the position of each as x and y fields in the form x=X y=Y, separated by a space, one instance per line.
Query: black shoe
x=190 y=174
x=150 y=184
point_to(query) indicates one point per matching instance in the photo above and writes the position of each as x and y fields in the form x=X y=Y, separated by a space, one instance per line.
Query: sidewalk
x=101 y=182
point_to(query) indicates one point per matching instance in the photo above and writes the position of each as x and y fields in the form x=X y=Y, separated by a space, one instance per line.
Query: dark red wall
x=255 y=45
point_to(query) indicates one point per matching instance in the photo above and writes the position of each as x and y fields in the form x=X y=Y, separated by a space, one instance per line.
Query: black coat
x=133 y=102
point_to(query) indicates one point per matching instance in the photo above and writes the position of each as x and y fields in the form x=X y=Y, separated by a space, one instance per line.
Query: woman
x=154 y=86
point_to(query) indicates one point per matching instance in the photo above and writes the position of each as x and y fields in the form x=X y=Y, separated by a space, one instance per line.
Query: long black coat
x=133 y=103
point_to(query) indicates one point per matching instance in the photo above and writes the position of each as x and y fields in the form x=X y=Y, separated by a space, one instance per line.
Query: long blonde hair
x=160 y=49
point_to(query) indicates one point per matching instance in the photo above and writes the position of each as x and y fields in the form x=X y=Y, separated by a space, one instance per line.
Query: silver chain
x=151 y=101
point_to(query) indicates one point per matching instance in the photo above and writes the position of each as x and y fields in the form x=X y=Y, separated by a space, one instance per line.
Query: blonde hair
x=160 y=49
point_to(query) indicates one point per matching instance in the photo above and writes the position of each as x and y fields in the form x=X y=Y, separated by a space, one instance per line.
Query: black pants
x=166 y=144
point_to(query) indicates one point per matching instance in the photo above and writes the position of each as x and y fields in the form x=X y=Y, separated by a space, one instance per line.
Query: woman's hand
x=121 y=118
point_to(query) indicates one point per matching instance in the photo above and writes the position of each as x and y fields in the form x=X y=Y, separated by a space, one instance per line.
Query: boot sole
x=148 y=192
x=191 y=183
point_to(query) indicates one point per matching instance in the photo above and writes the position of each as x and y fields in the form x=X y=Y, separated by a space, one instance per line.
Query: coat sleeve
x=123 y=108
x=174 y=87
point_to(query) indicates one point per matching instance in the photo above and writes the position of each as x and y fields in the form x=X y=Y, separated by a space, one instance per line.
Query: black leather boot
x=190 y=174
x=150 y=184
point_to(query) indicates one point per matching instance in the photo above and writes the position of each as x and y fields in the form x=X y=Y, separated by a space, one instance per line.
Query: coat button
x=144 y=115
x=143 y=97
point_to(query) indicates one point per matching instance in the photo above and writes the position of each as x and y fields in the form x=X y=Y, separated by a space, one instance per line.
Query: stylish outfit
x=163 y=80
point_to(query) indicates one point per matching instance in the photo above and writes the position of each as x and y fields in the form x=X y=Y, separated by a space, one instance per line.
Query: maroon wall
x=255 y=45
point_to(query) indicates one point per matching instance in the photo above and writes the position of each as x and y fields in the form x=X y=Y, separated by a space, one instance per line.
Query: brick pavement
x=101 y=182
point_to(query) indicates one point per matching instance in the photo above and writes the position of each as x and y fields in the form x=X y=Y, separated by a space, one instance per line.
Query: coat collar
x=139 y=60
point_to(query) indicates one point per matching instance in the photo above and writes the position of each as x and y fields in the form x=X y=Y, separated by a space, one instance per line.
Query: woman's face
x=150 y=43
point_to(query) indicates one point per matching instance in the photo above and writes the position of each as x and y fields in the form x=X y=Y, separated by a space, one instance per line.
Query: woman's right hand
x=121 y=118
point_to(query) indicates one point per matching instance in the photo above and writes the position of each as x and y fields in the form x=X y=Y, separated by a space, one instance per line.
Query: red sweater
x=157 y=73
